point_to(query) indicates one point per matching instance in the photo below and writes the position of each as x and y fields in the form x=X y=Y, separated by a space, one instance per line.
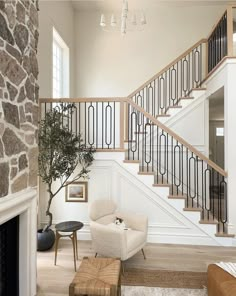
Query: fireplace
x=9 y=257
x=18 y=215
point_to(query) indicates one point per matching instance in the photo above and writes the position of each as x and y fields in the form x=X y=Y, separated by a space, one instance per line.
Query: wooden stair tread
x=214 y=222
x=186 y=98
x=131 y=161
x=221 y=234
x=180 y=196
x=146 y=173
x=161 y=185
x=199 y=88
x=192 y=209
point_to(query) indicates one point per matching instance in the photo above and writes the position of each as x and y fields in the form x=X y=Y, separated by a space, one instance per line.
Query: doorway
x=216 y=127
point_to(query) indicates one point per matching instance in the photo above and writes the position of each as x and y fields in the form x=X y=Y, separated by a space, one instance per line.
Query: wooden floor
x=55 y=280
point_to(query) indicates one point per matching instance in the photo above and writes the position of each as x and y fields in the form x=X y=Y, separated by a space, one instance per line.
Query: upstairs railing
x=100 y=121
x=176 y=81
x=217 y=43
x=166 y=88
x=175 y=163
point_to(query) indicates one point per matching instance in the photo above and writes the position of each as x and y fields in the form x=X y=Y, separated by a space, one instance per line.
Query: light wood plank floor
x=54 y=280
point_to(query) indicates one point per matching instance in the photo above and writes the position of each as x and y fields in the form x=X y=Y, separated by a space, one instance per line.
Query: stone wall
x=18 y=95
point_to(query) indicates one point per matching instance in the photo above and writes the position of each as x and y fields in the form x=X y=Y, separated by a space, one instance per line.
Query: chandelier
x=124 y=21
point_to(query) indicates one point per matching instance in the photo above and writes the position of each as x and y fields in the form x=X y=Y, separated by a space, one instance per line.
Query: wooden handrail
x=168 y=66
x=177 y=137
x=81 y=100
x=230 y=31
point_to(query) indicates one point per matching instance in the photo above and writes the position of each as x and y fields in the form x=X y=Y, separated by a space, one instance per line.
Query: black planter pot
x=46 y=239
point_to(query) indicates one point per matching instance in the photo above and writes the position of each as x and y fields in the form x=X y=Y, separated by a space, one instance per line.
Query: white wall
x=191 y=126
x=110 y=180
x=109 y=65
x=58 y=14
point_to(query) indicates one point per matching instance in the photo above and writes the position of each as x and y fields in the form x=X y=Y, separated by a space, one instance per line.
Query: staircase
x=138 y=126
x=178 y=166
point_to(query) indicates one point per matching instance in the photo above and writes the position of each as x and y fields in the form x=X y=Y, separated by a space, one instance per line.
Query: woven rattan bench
x=97 y=276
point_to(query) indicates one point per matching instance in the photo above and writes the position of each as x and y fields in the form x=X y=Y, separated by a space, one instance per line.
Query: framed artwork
x=77 y=192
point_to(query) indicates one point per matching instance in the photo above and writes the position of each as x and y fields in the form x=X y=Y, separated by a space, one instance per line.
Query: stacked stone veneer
x=18 y=95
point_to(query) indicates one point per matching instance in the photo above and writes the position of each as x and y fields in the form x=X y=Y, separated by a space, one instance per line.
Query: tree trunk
x=48 y=213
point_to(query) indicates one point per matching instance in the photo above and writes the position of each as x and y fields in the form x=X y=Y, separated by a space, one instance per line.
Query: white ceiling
x=101 y=5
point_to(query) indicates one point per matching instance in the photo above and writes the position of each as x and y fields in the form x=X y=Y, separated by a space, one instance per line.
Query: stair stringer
x=204 y=234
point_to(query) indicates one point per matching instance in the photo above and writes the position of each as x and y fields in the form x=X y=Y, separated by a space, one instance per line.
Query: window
x=219 y=131
x=60 y=67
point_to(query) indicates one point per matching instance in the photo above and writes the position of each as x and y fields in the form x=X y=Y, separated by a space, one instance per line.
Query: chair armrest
x=108 y=241
x=134 y=221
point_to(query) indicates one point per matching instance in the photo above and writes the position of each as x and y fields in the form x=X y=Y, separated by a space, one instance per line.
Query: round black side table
x=71 y=227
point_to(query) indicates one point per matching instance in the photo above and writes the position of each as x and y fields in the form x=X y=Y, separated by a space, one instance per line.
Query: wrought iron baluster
x=97 y=128
x=85 y=125
x=114 y=125
x=91 y=109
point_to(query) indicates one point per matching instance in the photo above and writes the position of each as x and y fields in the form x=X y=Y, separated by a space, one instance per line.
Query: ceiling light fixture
x=124 y=21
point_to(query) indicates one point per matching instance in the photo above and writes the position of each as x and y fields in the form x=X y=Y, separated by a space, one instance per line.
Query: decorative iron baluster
x=217 y=43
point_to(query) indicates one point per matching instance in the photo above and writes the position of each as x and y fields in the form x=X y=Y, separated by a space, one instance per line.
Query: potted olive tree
x=60 y=152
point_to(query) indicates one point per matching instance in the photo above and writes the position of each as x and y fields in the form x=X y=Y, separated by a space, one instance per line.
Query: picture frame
x=77 y=192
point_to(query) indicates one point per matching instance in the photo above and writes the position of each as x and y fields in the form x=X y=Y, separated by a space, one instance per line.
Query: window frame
x=64 y=67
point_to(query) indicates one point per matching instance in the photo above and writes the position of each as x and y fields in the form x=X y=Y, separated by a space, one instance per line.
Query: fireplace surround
x=24 y=205
x=9 y=257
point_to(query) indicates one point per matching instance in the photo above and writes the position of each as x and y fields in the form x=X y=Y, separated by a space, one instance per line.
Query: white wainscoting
x=109 y=179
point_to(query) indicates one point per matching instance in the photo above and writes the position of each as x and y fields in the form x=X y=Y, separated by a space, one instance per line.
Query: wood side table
x=97 y=276
x=71 y=227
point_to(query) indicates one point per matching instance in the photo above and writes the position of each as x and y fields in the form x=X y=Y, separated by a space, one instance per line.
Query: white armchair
x=111 y=241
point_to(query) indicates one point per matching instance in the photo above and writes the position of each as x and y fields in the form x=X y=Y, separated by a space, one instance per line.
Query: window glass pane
x=60 y=67
x=234 y=31
x=219 y=131
x=57 y=70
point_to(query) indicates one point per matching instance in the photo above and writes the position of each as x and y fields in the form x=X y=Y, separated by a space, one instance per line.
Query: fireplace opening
x=9 y=258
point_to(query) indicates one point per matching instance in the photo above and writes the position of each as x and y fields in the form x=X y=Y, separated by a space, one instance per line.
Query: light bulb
x=143 y=19
x=103 y=21
x=125 y=5
x=113 y=20
x=123 y=27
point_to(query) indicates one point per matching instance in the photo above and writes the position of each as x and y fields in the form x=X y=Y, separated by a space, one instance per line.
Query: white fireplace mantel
x=24 y=204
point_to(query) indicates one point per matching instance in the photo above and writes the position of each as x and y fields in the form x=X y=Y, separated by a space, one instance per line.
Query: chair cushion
x=134 y=239
x=100 y=208
x=106 y=219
